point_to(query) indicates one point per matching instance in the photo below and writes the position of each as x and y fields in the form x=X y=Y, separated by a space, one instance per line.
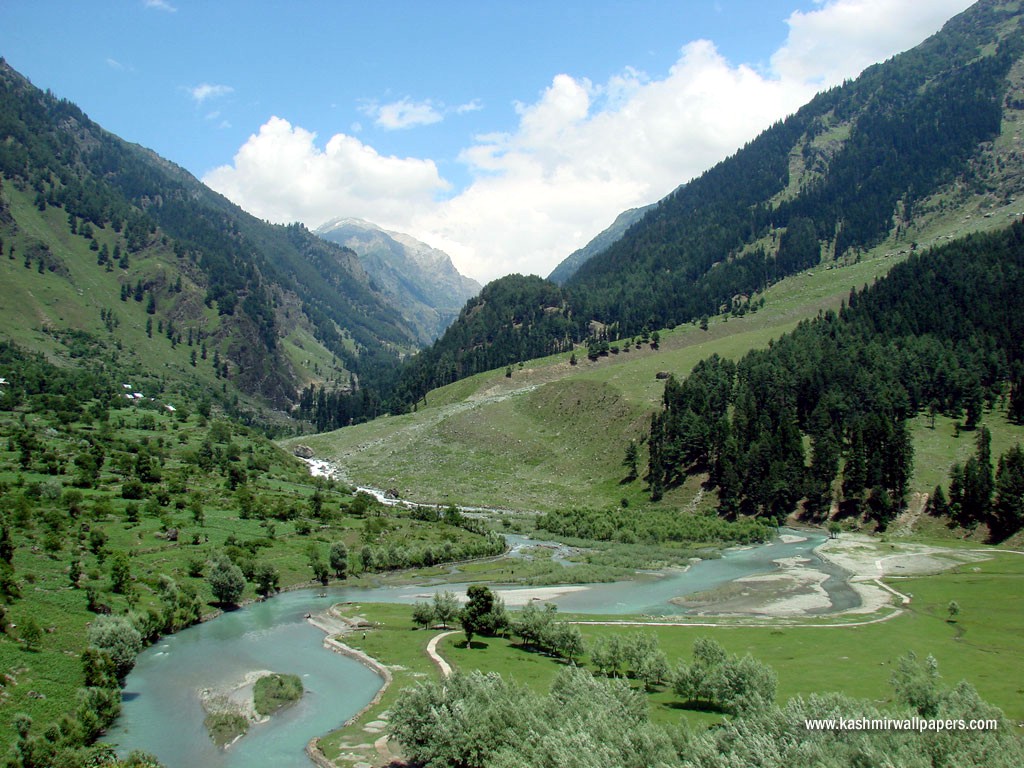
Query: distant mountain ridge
x=421 y=280
x=601 y=242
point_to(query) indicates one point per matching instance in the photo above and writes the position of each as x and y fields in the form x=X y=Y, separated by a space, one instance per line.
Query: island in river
x=230 y=710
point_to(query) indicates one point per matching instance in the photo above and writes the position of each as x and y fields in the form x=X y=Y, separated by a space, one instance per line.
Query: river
x=162 y=713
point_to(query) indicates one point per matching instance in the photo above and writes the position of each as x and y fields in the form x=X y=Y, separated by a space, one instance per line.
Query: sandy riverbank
x=517 y=598
x=795 y=589
x=869 y=559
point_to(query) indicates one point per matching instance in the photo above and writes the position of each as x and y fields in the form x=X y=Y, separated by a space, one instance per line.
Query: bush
x=274 y=692
x=118 y=638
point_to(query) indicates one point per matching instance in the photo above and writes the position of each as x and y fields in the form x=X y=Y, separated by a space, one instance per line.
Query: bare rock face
x=420 y=281
x=303 y=452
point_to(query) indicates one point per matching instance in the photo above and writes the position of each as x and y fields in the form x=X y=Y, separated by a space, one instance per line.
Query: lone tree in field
x=226 y=580
x=339 y=559
x=953 y=609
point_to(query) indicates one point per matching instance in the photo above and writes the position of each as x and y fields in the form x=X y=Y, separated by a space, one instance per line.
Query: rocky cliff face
x=421 y=281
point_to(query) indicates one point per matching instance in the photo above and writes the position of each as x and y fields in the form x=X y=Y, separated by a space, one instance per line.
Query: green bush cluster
x=477 y=720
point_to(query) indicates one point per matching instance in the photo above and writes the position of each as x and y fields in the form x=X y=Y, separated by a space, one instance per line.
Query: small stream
x=162 y=713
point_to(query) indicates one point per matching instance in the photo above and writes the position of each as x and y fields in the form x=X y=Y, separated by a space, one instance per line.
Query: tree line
x=940 y=334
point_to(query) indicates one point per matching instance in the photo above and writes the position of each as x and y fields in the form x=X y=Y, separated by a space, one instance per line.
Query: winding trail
x=444 y=666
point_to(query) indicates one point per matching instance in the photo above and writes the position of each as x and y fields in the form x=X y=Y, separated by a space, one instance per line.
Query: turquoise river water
x=162 y=713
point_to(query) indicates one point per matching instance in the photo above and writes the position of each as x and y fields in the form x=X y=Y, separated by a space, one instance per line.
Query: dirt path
x=444 y=666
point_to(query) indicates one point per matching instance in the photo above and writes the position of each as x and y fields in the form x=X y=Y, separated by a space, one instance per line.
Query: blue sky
x=506 y=133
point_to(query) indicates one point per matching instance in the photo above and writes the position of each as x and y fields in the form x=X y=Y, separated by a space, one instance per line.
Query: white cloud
x=160 y=5
x=406 y=113
x=205 y=91
x=581 y=153
x=280 y=174
x=403 y=113
x=470 y=106
x=838 y=41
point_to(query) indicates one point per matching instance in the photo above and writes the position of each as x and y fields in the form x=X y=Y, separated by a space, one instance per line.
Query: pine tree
x=1008 y=508
x=1015 y=411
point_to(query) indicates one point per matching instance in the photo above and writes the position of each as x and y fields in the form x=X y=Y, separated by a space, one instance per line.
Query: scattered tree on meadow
x=31 y=634
x=226 y=579
x=630 y=460
x=119 y=639
x=423 y=614
x=339 y=559
x=120 y=572
x=726 y=682
x=483 y=614
x=446 y=607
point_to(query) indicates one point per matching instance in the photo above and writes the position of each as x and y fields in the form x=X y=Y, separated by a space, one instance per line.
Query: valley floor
x=898 y=583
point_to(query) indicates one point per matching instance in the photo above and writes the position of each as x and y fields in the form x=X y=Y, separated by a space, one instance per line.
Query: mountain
x=922 y=147
x=927 y=136
x=122 y=259
x=571 y=263
x=513 y=318
x=421 y=281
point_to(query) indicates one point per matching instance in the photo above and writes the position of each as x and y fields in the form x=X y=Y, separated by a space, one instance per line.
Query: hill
x=111 y=247
x=421 y=281
x=604 y=240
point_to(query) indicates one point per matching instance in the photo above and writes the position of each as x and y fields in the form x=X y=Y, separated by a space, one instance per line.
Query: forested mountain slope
x=941 y=333
x=604 y=240
x=922 y=147
x=276 y=305
x=858 y=164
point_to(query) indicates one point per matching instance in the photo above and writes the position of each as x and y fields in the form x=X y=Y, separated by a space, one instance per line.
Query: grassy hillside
x=74 y=311
x=124 y=508
x=553 y=435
